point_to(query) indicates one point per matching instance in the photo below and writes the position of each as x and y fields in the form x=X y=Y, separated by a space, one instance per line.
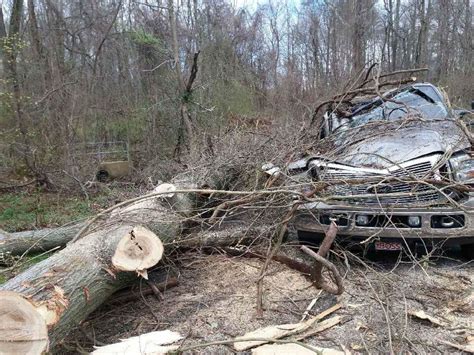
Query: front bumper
x=315 y=218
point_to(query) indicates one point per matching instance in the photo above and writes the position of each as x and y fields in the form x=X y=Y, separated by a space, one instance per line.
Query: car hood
x=383 y=145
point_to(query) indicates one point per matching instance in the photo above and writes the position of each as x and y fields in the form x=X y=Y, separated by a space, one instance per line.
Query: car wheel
x=102 y=176
x=467 y=251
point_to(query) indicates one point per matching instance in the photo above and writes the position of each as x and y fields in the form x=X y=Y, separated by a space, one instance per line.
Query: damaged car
x=392 y=171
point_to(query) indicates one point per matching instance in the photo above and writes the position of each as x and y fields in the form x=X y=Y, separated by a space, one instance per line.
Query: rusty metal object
x=113 y=169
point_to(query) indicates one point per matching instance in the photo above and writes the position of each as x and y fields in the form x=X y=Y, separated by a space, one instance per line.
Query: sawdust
x=216 y=298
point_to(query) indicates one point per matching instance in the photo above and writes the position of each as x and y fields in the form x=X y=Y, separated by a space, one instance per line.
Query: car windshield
x=414 y=101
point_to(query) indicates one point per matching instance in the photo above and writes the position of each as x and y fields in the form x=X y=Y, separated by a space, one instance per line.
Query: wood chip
x=155 y=343
x=420 y=314
x=282 y=330
x=320 y=327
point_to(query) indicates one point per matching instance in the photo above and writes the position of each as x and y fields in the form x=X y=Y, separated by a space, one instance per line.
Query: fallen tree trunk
x=66 y=287
x=69 y=285
x=36 y=241
x=188 y=206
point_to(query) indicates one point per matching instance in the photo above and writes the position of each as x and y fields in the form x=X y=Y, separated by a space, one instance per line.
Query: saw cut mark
x=22 y=328
x=132 y=237
x=140 y=249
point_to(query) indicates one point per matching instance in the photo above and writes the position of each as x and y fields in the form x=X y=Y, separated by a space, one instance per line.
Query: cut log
x=69 y=285
x=186 y=205
x=22 y=329
x=37 y=241
x=105 y=256
x=72 y=283
x=140 y=250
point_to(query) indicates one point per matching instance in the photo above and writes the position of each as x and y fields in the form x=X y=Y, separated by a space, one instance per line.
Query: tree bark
x=72 y=283
x=358 y=37
x=186 y=206
x=422 y=41
x=39 y=51
x=37 y=241
x=69 y=285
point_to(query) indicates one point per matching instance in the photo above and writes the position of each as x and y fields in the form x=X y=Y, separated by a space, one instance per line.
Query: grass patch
x=30 y=210
x=14 y=265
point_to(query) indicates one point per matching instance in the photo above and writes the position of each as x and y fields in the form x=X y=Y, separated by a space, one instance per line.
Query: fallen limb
x=320 y=327
x=294 y=349
x=36 y=241
x=320 y=262
x=246 y=341
x=231 y=341
x=283 y=259
x=130 y=295
x=226 y=237
x=468 y=348
x=273 y=251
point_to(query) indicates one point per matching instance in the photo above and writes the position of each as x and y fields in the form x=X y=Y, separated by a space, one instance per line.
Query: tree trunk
x=39 y=51
x=72 y=283
x=37 y=241
x=184 y=205
x=422 y=42
x=69 y=285
x=395 y=34
x=358 y=38
x=3 y=37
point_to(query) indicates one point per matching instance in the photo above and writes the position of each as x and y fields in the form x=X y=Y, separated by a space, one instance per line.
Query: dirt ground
x=216 y=297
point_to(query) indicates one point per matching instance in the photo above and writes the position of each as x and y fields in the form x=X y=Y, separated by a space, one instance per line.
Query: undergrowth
x=30 y=210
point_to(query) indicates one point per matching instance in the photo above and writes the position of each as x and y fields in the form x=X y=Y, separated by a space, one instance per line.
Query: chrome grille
x=345 y=182
x=421 y=170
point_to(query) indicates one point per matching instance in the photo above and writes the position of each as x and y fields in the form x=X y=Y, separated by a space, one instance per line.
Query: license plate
x=388 y=246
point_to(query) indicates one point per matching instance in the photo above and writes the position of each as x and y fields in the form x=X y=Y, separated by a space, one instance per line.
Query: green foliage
x=143 y=38
x=16 y=264
x=234 y=97
x=129 y=127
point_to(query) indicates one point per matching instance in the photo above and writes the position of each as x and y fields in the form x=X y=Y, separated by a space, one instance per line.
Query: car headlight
x=463 y=168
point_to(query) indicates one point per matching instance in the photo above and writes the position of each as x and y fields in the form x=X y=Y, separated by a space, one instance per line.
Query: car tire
x=102 y=176
x=467 y=251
